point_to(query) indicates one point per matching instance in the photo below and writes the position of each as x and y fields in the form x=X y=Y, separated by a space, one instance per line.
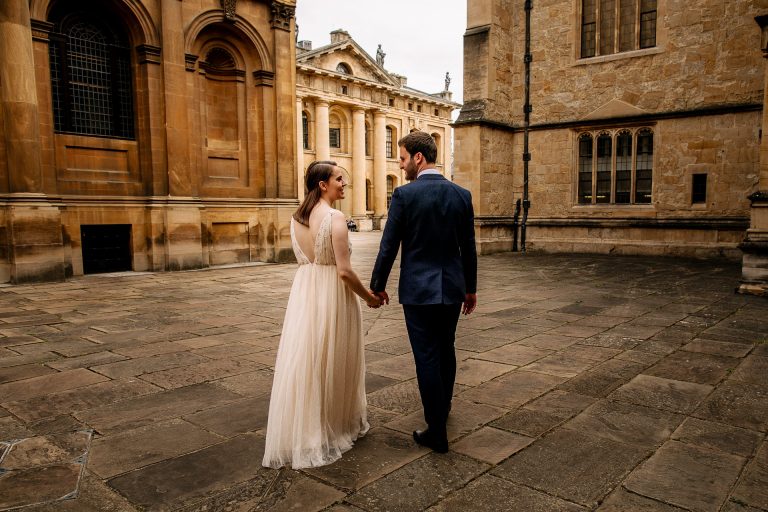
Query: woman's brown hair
x=319 y=170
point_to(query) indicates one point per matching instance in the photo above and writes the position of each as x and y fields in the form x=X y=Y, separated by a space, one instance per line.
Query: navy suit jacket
x=433 y=220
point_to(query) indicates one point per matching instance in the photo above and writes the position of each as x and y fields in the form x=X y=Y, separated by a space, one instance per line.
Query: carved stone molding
x=264 y=78
x=148 y=54
x=189 y=61
x=41 y=30
x=229 y=6
x=282 y=15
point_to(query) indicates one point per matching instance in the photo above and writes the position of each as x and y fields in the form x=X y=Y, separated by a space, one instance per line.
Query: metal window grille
x=91 y=82
x=389 y=148
x=334 y=137
x=305 y=129
x=585 y=169
x=390 y=189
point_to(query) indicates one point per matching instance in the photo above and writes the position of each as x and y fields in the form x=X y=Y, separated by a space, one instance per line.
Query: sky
x=422 y=39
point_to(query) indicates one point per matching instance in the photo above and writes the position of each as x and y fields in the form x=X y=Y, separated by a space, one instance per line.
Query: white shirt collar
x=431 y=170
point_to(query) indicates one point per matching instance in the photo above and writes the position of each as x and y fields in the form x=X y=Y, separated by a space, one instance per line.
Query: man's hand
x=470 y=303
x=382 y=295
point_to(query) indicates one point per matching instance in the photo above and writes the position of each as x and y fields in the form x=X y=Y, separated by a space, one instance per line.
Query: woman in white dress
x=318 y=406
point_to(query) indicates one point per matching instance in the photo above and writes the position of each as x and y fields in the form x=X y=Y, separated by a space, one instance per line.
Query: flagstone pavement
x=584 y=383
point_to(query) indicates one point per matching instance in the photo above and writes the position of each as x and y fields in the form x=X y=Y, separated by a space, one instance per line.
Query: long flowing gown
x=318 y=406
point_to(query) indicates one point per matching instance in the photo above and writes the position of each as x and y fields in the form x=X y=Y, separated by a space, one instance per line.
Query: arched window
x=616 y=168
x=91 y=80
x=390 y=189
x=390 y=146
x=305 y=129
x=585 y=168
x=644 y=172
x=343 y=68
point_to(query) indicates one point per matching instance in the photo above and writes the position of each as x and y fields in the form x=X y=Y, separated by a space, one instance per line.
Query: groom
x=432 y=219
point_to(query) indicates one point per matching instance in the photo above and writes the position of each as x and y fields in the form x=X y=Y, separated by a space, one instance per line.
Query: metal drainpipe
x=527 y=111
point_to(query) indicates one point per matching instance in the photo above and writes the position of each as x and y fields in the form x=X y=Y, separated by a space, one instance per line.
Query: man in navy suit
x=433 y=220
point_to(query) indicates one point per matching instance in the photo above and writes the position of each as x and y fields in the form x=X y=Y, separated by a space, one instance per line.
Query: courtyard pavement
x=584 y=383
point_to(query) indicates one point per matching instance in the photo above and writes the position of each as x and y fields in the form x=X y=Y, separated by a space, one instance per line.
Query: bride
x=318 y=406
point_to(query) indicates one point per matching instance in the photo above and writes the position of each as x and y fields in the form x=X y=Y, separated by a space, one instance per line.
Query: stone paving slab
x=687 y=476
x=584 y=383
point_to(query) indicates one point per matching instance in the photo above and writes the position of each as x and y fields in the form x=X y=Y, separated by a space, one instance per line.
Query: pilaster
x=322 y=144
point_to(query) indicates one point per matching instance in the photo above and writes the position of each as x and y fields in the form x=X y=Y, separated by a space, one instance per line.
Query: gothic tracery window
x=615 y=168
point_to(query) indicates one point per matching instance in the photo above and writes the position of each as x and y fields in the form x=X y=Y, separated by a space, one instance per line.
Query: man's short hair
x=420 y=142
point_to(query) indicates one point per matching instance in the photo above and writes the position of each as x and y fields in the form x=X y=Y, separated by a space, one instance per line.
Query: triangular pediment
x=614 y=108
x=348 y=51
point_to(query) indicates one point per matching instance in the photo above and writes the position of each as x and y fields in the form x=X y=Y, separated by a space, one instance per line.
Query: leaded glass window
x=91 y=80
x=614 y=26
x=615 y=167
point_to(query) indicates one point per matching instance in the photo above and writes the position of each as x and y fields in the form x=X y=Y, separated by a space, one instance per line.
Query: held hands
x=377 y=299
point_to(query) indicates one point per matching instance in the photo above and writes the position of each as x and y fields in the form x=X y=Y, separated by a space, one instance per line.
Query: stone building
x=144 y=134
x=644 y=128
x=350 y=109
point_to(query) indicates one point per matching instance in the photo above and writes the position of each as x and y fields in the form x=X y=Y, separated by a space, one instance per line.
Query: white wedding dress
x=318 y=406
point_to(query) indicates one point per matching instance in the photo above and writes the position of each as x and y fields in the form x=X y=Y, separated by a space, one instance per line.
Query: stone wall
x=699 y=90
x=198 y=180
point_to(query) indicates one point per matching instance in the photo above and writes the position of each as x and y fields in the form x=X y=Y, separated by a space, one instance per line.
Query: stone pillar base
x=31 y=244
x=184 y=240
x=364 y=223
x=754 y=267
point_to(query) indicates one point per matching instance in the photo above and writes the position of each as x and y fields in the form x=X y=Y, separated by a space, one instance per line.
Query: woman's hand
x=373 y=301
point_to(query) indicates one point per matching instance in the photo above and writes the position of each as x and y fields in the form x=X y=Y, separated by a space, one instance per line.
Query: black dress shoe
x=426 y=438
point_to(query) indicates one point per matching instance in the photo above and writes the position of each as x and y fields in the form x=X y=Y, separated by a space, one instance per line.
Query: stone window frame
x=343 y=128
x=590 y=156
x=576 y=36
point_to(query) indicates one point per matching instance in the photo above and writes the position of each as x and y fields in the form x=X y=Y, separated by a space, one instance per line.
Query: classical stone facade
x=644 y=123
x=144 y=135
x=350 y=109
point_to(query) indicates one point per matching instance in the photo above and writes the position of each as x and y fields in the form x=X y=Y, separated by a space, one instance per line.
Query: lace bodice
x=323 y=243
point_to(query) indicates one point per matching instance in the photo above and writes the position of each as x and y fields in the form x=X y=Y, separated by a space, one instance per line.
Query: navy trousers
x=432 y=332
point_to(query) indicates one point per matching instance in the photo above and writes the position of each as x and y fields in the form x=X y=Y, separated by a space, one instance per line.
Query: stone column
x=18 y=98
x=300 y=149
x=380 y=166
x=31 y=248
x=754 y=269
x=182 y=221
x=358 y=165
x=283 y=31
x=322 y=144
x=180 y=182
